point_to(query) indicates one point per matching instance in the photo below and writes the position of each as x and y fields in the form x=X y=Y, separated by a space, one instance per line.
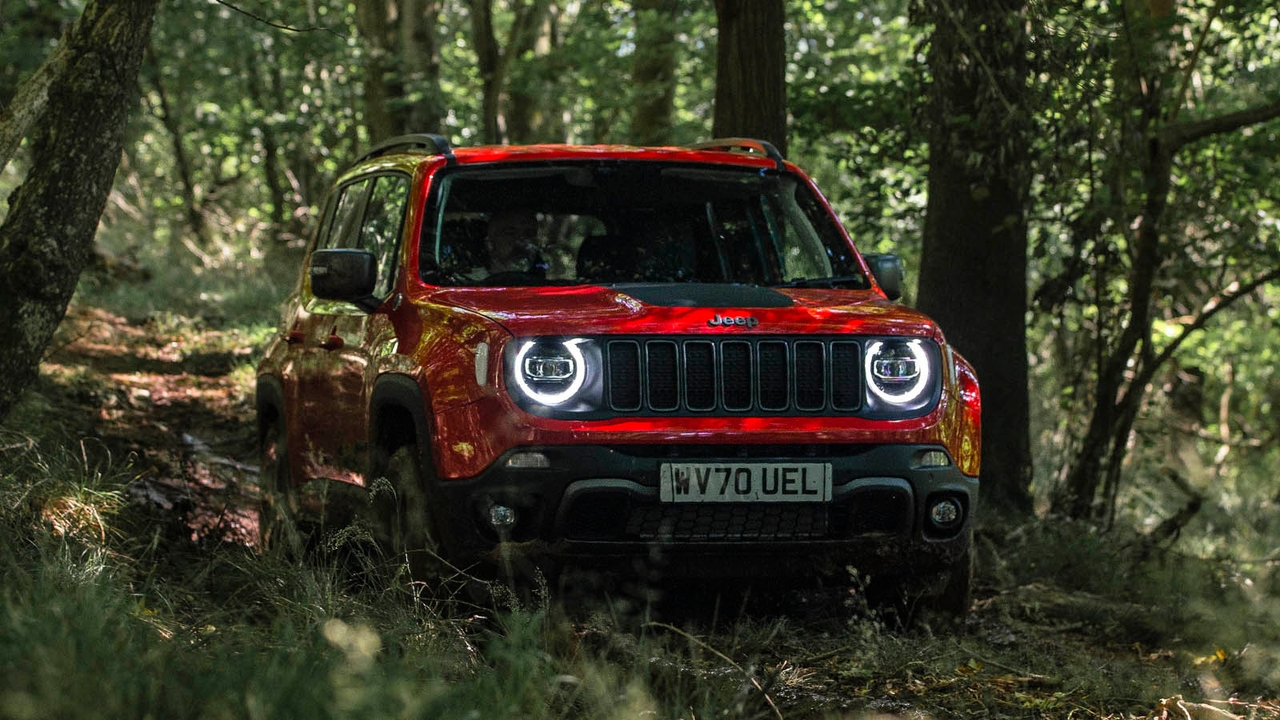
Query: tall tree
x=751 y=88
x=47 y=237
x=1149 y=136
x=973 y=270
x=495 y=60
x=401 y=66
x=654 y=72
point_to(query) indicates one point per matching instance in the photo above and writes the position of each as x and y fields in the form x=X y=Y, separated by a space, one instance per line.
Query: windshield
x=630 y=222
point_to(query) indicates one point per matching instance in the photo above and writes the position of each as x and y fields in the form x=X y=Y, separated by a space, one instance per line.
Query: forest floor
x=172 y=395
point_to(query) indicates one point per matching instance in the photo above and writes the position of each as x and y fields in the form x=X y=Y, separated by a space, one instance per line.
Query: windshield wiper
x=858 y=281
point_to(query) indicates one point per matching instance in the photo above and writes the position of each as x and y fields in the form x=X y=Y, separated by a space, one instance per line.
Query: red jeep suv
x=670 y=358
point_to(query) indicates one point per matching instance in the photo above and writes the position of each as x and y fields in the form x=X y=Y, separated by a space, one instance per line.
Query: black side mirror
x=888 y=272
x=346 y=275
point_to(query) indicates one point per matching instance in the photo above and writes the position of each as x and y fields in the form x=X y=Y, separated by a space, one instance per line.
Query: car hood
x=680 y=308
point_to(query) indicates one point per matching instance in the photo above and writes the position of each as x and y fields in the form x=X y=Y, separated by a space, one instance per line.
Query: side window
x=383 y=222
x=346 y=220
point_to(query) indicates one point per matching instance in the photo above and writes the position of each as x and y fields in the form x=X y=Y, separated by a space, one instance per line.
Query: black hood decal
x=704 y=295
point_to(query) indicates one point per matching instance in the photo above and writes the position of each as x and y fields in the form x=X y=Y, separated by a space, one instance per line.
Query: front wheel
x=406 y=530
x=957 y=596
x=278 y=505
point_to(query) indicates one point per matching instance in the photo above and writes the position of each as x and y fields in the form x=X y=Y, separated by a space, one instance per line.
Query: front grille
x=712 y=522
x=734 y=375
x=611 y=514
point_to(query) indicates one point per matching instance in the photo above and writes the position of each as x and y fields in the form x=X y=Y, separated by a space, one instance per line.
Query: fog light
x=501 y=517
x=945 y=512
x=930 y=459
x=528 y=460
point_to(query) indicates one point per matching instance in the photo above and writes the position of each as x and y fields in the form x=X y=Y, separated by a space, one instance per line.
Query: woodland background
x=1087 y=194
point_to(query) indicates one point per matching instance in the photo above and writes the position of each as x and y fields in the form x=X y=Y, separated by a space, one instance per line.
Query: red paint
x=329 y=362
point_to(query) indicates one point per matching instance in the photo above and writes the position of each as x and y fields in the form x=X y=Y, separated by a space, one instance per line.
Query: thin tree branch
x=1214 y=306
x=277 y=25
x=1180 y=98
x=1179 y=134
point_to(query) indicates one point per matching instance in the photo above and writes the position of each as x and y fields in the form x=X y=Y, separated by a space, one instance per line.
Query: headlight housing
x=554 y=374
x=901 y=375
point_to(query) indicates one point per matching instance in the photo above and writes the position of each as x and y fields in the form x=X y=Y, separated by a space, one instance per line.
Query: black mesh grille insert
x=700 y=375
x=811 y=380
x=616 y=515
x=624 y=375
x=664 y=392
x=728 y=522
x=846 y=393
x=735 y=370
x=767 y=375
x=775 y=380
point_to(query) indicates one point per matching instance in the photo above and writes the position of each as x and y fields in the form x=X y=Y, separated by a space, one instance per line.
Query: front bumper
x=599 y=506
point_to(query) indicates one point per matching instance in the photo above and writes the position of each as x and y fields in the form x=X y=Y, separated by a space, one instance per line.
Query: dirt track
x=166 y=398
x=173 y=395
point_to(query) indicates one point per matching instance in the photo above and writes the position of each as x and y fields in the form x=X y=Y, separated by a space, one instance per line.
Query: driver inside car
x=511 y=240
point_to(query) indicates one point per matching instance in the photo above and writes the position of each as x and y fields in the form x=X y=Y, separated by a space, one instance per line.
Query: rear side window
x=383 y=222
x=341 y=231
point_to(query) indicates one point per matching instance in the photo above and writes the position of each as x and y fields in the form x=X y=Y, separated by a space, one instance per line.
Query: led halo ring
x=579 y=374
x=922 y=382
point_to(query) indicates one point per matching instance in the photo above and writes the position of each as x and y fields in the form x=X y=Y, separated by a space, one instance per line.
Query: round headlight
x=897 y=372
x=550 y=373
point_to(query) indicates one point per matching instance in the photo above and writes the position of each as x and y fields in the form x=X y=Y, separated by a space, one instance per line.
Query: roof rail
x=433 y=143
x=747 y=145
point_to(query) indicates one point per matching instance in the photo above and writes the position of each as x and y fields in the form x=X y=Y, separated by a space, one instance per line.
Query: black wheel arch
x=398 y=413
x=269 y=401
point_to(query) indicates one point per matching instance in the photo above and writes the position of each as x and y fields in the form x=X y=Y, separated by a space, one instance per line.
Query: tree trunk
x=380 y=82
x=973 y=270
x=751 y=90
x=489 y=60
x=47 y=238
x=1129 y=364
x=181 y=163
x=272 y=174
x=420 y=66
x=527 y=94
x=654 y=73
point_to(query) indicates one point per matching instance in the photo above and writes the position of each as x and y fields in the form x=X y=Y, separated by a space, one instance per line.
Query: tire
x=957 y=595
x=406 y=530
x=278 y=507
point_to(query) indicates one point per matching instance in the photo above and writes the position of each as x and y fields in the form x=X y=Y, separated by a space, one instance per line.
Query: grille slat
x=700 y=375
x=766 y=375
x=664 y=375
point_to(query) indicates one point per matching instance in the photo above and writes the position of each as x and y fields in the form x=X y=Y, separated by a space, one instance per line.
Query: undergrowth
x=110 y=609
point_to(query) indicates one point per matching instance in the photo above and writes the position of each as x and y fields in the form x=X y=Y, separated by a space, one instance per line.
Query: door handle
x=333 y=342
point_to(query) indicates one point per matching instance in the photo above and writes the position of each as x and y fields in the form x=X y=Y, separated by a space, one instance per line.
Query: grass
x=108 y=607
x=107 y=611
x=223 y=297
x=110 y=610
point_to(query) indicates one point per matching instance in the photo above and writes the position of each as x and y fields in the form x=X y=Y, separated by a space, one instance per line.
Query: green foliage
x=267 y=117
x=29 y=29
x=853 y=89
x=1112 y=79
x=108 y=611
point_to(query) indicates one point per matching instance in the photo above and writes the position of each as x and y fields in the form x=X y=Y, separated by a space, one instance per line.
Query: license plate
x=746 y=482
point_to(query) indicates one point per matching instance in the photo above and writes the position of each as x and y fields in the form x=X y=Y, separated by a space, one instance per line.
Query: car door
x=345 y=338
